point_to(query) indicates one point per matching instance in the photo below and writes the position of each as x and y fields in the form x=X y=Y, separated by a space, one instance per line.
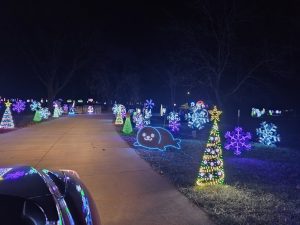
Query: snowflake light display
x=197 y=116
x=45 y=113
x=174 y=119
x=267 y=134
x=119 y=109
x=149 y=104
x=35 y=106
x=147 y=116
x=19 y=106
x=237 y=140
x=138 y=119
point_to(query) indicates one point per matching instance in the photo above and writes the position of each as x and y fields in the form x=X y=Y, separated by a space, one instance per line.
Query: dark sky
x=139 y=36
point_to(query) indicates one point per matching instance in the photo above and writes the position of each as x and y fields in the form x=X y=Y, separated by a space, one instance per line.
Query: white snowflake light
x=267 y=134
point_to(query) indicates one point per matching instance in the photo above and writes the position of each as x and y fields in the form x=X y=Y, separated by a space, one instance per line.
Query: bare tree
x=55 y=61
x=214 y=57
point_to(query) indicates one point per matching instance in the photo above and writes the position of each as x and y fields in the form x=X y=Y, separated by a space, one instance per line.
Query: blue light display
x=156 y=138
x=267 y=134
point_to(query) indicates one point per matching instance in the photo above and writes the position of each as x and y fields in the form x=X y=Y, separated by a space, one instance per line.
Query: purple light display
x=19 y=106
x=237 y=140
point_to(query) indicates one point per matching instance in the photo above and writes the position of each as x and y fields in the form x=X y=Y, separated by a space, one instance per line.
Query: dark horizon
x=135 y=44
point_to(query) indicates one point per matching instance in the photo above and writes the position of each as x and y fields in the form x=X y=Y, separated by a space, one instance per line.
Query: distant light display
x=267 y=134
x=65 y=108
x=35 y=106
x=238 y=140
x=257 y=112
x=138 y=119
x=56 y=112
x=198 y=115
x=149 y=104
x=127 y=128
x=19 y=106
x=147 y=117
x=174 y=123
x=119 y=119
x=90 y=109
x=45 y=113
x=119 y=109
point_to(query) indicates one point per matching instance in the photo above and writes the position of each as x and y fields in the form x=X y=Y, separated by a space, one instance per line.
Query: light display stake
x=174 y=123
x=238 y=140
x=127 y=128
x=211 y=171
x=19 y=106
x=267 y=134
x=7 y=121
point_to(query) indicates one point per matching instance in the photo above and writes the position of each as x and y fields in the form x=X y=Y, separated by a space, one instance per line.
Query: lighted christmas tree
x=7 y=120
x=211 y=170
x=119 y=120
x=127 y=128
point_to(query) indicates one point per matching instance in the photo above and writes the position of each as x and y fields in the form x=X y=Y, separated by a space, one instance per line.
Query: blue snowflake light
x=119 y=109
x=149 y=104
x=174 y=123
x=267 y=134
x=237 y=140
x=198 y=115
x=19 y=106
x=138 y=119
x=45 y=113
x=34 y=106
x=147 y=116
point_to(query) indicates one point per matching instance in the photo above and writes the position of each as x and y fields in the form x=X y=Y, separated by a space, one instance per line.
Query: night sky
x=139 y=40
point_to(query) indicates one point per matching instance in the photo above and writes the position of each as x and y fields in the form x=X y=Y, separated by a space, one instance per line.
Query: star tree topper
x=7 y=104
x=215 y=114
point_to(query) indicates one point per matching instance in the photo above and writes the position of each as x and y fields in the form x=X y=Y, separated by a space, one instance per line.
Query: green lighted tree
x=37 y=116
x=211 y=170
x=127 y=128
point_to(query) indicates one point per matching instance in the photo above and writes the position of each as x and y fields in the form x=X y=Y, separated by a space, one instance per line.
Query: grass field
x=262 y=186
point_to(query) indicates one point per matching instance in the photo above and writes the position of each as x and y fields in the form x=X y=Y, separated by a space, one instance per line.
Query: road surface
x=126 y=190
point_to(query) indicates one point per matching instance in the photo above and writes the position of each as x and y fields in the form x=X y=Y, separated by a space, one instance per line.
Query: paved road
x=127 y=191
